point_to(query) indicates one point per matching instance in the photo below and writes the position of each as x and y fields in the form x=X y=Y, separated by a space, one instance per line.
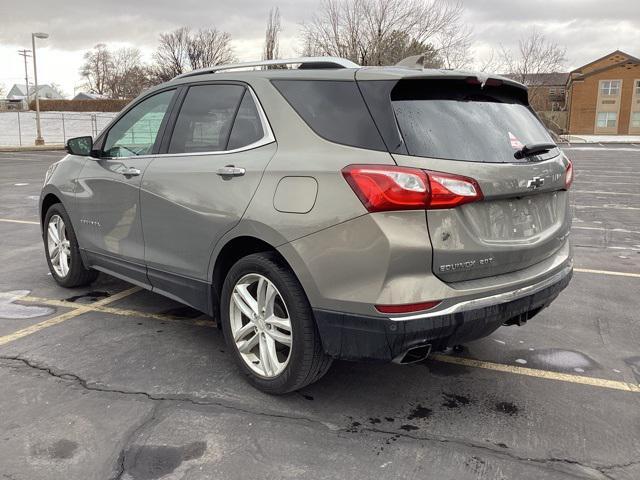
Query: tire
x=75 y=274
x=306 y=361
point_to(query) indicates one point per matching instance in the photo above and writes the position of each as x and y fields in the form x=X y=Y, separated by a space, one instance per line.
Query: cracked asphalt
x=142 y=388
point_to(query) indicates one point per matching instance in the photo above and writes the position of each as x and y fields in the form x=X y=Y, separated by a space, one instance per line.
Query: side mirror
x=80 y=146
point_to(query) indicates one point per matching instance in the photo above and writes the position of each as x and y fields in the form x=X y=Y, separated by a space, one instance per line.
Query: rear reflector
x=386 y=188
x=407 y=307
x=568 y=176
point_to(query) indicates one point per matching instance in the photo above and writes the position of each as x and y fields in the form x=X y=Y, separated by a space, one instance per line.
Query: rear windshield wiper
x=532 y=149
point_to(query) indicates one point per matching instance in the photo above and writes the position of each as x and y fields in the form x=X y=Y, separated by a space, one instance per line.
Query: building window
x=610 y=87
x=635 y=119
x=561 y=91
x=638 y=87
x=607 y=119
x=552 y=91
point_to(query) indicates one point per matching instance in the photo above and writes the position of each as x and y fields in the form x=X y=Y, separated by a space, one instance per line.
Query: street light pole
x=39 y=139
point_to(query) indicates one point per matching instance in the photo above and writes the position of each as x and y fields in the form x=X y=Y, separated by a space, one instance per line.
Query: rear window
x=460 y=121
x=335 y=110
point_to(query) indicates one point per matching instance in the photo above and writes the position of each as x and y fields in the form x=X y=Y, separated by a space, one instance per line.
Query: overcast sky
x=587 y=28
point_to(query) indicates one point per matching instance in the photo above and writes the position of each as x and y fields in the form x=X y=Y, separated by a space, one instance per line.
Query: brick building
x=603 y=97
x=546 y=90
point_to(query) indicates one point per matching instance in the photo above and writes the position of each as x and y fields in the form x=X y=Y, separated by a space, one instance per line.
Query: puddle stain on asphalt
x=182 y=312
x=507 y=408
x=419 y=413
x=634 y=364
x=62 y=449
x=452 y=401
x=13 y=311
x=149 y=462
x=88 y=297
x=558 y=360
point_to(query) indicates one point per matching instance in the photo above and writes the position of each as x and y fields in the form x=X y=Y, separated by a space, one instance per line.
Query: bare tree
x=97 y=68
x=209 y=47
x=535 y=55
x=129 y=75
x=181 y=50
x=378 y=32
x=272 y=35
x=171 y=57
x=2 y=91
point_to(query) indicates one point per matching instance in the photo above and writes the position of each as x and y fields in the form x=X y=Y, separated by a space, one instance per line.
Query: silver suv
x=324 y=211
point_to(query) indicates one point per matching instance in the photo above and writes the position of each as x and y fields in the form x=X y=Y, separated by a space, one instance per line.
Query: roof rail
x=309 y=62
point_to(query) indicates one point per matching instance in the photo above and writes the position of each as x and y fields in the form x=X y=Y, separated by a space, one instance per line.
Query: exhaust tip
x=413 y=355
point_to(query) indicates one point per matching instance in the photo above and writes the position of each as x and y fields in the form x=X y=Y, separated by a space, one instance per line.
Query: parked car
x=321 y=212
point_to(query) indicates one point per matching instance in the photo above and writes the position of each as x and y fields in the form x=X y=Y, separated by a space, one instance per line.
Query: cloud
x=587 y=28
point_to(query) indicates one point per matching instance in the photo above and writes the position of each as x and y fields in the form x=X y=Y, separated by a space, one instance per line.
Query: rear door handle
x=230 y=171
x=132 y=172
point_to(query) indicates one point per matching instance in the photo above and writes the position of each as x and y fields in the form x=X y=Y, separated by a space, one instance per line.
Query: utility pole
x=39 y=139
x=26 y=54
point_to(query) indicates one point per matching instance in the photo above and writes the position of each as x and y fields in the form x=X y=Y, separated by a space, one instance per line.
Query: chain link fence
x=19 y=128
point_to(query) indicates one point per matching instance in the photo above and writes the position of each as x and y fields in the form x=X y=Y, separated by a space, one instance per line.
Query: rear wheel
x=268 y=324
x=62 y=250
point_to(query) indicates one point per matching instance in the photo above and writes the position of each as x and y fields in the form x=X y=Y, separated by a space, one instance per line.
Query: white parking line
x=11 y=220
x=608 y=207
x=619 y=230
x=600 y=192
x=607 y=272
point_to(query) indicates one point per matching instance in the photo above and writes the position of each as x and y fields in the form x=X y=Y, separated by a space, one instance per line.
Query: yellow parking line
x=607 y=272
x=77 y=310
x=98 y=307
x=533 y=372
x=27 y=222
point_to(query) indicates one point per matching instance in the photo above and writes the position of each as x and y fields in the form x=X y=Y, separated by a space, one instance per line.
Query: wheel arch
x=48 y=199
x=241 y=246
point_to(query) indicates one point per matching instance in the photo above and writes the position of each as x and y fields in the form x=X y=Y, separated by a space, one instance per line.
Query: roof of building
x=18 y=91
x=537 y=79
x=628 y=58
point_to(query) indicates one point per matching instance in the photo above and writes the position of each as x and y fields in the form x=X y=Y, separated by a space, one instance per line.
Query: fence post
x=19 y=130
x=64 y=132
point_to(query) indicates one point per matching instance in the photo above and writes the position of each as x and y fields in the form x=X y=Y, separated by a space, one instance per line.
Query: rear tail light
x=568 y=175
x=386 y=188
x=407 y=307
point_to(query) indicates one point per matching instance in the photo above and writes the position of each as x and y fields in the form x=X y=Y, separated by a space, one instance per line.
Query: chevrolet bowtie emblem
x=535 y=182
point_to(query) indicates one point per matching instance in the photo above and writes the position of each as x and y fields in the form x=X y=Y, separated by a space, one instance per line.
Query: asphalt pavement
x=114 y=382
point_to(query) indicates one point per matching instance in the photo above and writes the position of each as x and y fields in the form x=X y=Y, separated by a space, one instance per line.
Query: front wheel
x=269 y=325
x=62 y=250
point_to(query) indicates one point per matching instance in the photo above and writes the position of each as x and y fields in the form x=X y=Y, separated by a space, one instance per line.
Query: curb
x=34 y=148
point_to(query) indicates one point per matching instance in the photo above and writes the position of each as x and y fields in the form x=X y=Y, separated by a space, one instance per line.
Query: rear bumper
x=356 y=337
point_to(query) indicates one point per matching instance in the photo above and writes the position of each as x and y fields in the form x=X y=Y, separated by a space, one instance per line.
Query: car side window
x=247 y=128
x=136 y=131
x=205 y=119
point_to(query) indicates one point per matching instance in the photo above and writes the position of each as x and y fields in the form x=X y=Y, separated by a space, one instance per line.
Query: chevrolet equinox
x=320 y=212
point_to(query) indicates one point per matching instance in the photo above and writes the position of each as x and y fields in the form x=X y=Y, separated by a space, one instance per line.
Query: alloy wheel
x=58 y=246
x=260 y=325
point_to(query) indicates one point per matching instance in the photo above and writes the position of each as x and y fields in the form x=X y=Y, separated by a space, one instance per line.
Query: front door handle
x=131 y=172
x=231 y=171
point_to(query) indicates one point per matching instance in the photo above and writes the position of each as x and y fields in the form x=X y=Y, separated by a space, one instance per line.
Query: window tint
x=458 y=121
x=334 y=110
x=205 y=119
x=247 y=127
x=136 y=131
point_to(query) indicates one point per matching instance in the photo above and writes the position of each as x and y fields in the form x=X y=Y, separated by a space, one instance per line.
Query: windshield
x=458 y=121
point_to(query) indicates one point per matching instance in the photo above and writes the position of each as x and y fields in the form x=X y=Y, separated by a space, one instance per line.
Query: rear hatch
x=472 y=127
